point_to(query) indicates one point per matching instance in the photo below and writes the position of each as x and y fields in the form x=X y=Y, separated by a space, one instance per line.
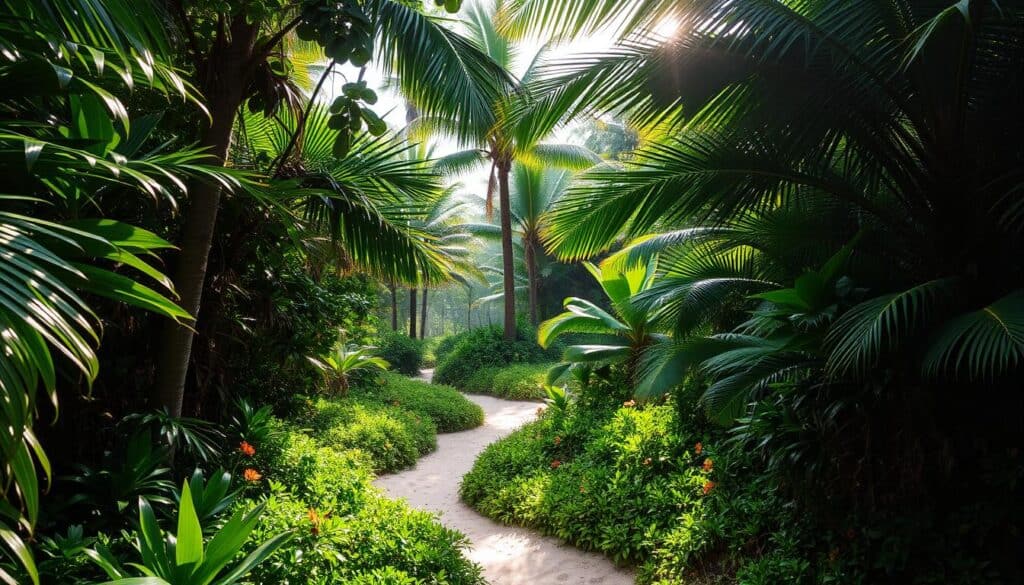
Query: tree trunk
x=444 y=312
x=226 y=79
x=531 y=275
x=423 y=316
x=507 y=259
x=394 y=307
x=412 y=313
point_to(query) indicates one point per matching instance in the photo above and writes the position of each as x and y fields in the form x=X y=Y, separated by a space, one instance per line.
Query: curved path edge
x=509 y=555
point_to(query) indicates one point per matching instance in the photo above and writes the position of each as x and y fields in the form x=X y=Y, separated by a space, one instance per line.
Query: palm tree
x=241 y=64
x=533 y=193
x=498 y=143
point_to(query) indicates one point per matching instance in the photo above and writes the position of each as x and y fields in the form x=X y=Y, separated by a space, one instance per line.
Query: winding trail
x=508 y=555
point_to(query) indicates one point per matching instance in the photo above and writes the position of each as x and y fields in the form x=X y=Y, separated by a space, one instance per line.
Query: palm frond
x=983 y=344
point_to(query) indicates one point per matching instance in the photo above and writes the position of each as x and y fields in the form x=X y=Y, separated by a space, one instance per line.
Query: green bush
x=344 y=530
x=318 y=475
x=621 y=481
x=480 y=381
x=486 y=347
x=382 y=538
x=392 y=436
x=521 y=382
x=445 y=406
x=404 y=353
x=446 y=345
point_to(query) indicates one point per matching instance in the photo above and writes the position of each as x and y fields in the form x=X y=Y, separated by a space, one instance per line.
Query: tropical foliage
x=801 y=346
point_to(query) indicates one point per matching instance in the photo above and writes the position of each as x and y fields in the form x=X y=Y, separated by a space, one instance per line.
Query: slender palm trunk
x=507 y=259
x=529 y=247
x=394 y=307
x=423 y=316
x=226 y=81
x=412 y=312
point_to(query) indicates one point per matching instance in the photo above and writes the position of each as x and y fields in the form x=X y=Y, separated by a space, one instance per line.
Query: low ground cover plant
x=445 y=406
x=640 y=483
x=344 y=530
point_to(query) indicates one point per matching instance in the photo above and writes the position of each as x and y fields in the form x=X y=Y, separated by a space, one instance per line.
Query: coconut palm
x=496 y=143
x=533 y=193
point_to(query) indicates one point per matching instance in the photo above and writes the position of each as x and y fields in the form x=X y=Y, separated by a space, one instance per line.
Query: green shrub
x=480 y=381
x=381 y=541
x=445 y=406
x=621 y=481
x=486 y=347
x=320 y=476
x=404 y=353
x=445 y=345
x=521 y=382
x=392 y=436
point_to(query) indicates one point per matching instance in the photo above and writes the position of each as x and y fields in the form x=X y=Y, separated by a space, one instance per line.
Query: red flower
x=246 y=449
x=555 y=464
x=708 y=465
x=698 y=448
x=251 y=475
x=708 y=486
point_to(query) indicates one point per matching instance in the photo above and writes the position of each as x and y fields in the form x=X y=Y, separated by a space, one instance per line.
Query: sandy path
x=509 y=555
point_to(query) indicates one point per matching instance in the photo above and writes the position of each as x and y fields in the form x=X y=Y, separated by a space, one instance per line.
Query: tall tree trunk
x=394 y=307
x=423 y=316
x=412 y=312
x=531 y=275
x=507 y=259
x=225 y=82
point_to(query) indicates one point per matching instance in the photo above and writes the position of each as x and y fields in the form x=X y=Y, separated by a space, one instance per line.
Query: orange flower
x=708 y=465
x=708 y=486
x=629 y=403
x=558 y=440
x=698 y=448
x=555 y=464
x=314 y=519
x=647 y=461
x=251 y=474
x=246 y=449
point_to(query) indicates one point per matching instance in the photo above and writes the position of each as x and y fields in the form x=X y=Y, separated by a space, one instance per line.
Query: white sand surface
x=508 y=555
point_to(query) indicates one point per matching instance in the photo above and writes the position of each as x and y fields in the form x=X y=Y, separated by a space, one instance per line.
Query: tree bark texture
x=224 y=84
x=507 y=259
x=423 y=316
x=412 y=313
